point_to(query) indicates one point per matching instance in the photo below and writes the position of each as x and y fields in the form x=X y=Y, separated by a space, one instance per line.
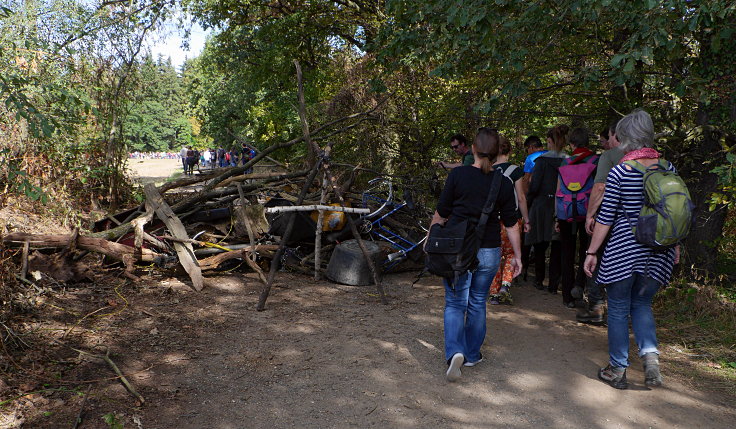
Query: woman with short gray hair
x=633 y=272
x=635 y=131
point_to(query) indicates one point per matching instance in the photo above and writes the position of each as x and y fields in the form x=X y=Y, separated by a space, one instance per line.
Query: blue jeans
x=465 y=307
x=631 y=297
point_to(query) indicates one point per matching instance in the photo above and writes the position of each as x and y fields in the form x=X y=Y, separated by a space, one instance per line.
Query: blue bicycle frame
x=378 y=229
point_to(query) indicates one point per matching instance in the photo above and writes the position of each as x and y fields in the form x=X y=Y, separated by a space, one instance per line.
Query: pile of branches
x=206 y=222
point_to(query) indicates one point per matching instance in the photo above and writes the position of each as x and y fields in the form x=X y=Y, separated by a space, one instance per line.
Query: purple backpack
x=574 y=193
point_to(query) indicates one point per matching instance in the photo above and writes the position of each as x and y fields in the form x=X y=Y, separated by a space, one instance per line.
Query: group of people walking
x=579 y=206
x=220 y=157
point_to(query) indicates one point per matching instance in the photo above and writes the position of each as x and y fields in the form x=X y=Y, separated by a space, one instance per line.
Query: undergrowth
x=697 y=319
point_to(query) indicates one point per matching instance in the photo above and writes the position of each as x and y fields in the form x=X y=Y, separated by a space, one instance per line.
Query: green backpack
x=667 y=213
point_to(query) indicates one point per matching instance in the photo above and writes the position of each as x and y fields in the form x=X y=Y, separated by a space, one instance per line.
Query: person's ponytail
x=486 y=148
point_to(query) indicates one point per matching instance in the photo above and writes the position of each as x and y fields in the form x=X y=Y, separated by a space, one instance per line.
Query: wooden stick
x=314 y=207
x=24 y=266
x=126 y=383
x=318 y=235
x=78 y=421
x=183 y=250
x=246 y=221
x=249 y=176
x=214 y=261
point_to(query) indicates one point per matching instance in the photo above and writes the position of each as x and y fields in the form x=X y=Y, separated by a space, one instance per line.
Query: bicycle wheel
x=377 y=196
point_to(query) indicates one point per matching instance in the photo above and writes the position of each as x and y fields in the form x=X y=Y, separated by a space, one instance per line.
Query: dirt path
x=331 y=356
x=153 y=170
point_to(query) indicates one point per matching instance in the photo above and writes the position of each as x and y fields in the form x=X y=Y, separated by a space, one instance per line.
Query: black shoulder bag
x=452 y=249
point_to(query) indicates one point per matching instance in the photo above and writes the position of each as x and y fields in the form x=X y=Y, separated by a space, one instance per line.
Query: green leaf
x=629 y=67
x=616 y=60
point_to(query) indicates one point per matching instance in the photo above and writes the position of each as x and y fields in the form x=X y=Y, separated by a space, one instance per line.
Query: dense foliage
x=79 y=90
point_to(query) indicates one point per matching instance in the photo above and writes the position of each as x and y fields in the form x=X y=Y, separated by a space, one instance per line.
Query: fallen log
x=250 y=176
x=128 y=255
x=108 y=248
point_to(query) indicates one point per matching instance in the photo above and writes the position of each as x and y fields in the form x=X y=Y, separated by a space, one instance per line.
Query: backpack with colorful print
x=576 y=183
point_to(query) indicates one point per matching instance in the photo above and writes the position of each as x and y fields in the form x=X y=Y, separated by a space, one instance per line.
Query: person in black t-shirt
x=500 y=286
x=463 y=197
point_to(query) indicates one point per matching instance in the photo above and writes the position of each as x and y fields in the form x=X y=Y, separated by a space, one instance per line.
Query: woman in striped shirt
x=632 y=271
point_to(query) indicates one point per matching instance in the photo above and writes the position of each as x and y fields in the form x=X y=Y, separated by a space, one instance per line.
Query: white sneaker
x=468 y=363
x=453 y=371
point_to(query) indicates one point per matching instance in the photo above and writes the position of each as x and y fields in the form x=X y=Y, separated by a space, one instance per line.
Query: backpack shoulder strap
x=511 y=168
x=636 y=166
x=490 y=202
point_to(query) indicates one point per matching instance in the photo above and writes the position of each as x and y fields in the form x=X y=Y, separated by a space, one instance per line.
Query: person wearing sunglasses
x=458 y=143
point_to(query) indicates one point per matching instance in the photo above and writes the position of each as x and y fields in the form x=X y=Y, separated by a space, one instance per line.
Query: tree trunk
x=701 y=248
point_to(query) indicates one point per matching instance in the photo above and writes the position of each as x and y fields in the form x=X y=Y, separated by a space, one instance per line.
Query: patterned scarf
x=580 y=154
x=643 y=153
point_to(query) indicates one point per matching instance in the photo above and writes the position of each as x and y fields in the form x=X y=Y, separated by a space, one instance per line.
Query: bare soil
x=324 y=355
x=153 y=170
x=327 y=355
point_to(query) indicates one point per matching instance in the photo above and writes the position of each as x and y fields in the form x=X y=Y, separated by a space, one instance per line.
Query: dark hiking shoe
x=494 y=300
x=539 y=286
x=595 y=315
x=616 y=377
x=577 y=292
x=453 y=368
x=504 y=295
x=652 y=377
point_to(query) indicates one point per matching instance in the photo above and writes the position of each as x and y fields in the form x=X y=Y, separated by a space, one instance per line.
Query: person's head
x=459 y=144
x=635 y=131
x=612 y=140
x=485 y=148
x=603 y=139
x=504 y=145
x=557 y=137
x=579 y=138
x=533 y=144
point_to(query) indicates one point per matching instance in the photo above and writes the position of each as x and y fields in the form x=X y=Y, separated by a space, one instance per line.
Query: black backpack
x=452 y=249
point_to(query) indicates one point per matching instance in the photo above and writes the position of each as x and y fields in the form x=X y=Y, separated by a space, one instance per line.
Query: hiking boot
x=594 y=315
x=577 y=292
x=616 y=377
x=539 y=286
x=453 y=368
x=504 y=295
x=493 y=300
x=652 y=377
x=468 y=363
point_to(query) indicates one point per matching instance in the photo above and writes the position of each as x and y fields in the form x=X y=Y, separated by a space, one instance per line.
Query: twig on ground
x=106 y=358
x=78 y=420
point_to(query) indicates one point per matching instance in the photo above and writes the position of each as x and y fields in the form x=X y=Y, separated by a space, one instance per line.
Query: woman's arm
x=599 y=234
x=515 y=239
x=521 y=201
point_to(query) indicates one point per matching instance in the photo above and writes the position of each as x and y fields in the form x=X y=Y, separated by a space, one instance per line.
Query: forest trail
x=330 y=356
